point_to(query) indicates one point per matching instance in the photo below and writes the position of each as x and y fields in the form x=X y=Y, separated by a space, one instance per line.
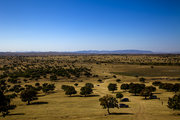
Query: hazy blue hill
x=115 y=52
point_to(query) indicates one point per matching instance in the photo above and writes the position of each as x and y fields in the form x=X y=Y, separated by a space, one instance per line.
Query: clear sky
x=72 y=25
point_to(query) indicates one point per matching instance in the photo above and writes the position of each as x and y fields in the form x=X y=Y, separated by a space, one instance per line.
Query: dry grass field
x=58 y=106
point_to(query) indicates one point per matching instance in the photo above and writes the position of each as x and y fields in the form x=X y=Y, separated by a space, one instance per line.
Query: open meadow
x=23 y=72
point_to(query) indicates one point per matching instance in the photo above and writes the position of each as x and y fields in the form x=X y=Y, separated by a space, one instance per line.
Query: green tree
x=70 y=90
x=174 y=102
x=142 y=79
x=28 y=95
x=48 y=87
x=125 y=86
x=53 y=77
x=86 y=91
x=118 y=80
x=76 y=84
x=145 y=92
x=136 y=88
x=89 y=85
x=5 y=104
x=112 y=87
x=64 y=87
x=119 y=95
x=108 y=102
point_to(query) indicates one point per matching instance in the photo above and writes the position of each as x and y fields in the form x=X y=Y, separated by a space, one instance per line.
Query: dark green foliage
x=70 y=90
x=4 y=104
x=112 y=87
x=114 y=76
x=108 y=102
x=76 y=84
x=11 y=80
x=64 y=87
x=146 y=92
x=16 y=88
x=89 y=85
x=3 y=86
x=48 y=87
x=12 y=96
x=151 y=88
x=174 y=102
x=142 y=79
x=156 y=83
x=136 y=88
x=28 y=95
x=35 y=73
x=86 y=91
x=118 y=80
x=119 y=95
x=37 y=84
x=53 y=77
x=125 y=86
x=170 y=87
x=100 y=80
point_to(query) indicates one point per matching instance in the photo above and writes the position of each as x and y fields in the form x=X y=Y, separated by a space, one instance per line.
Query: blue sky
x=71 y=25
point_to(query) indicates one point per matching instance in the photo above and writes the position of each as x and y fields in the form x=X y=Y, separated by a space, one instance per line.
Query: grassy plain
x=58 y=106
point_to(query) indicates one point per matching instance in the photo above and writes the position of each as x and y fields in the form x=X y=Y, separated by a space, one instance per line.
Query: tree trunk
x=108 y=111
x=28 y=102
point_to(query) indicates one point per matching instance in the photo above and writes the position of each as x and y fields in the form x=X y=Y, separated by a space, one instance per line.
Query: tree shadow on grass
x=40 y=95
x=157 y=93
x=11 y=114
x=84 y=96
x=121 y=114
x=38 y=103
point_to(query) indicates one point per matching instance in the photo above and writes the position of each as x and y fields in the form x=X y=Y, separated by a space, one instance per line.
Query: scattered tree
x=118 y=80
x=5 y=104
x=70 y=90
x=142 y=79
x=108 y=102
x=76 y=84
x=89 y=85
x=86 y=91
x=125 y=86
x=112 y=87
x=119 y=95
x=28 y=95
x=174 y=102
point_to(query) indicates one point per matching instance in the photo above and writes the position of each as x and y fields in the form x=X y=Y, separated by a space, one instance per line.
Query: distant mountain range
x=115 y=52
x=86 y=52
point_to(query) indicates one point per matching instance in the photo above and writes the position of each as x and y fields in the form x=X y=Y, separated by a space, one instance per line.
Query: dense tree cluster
x=170 y=87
